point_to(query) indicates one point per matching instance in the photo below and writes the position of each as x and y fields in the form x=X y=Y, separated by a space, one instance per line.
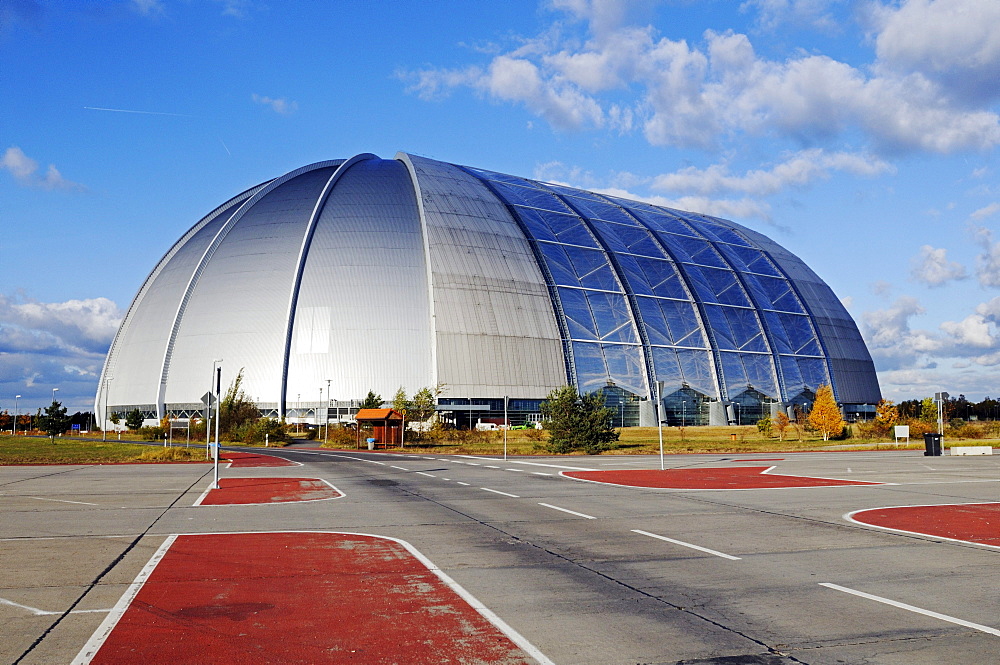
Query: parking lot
x=573 y=570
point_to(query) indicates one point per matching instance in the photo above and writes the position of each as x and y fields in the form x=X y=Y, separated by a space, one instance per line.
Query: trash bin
x=932 y=444
x=371 y=444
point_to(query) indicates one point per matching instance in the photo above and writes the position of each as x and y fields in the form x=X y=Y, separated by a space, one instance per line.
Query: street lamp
x=208 y=407
x=54 y=395
x=326 y=412
x=104 y=423
x=218 y=405
x=683 y=413
x=13 y=432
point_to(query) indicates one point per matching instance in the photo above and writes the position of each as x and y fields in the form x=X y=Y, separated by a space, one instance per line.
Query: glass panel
x=536 y=222
x=625 y=367
x=579 y=318
x=530 y=197
x=703 y=288
x=559 y=264
x=501 y=177
x=800 y=335
x=659 y=221
x=591 y=371
x=733 y=373
x=593 y=270
x=663 y=278
x=601 y=210
x=746 y=330
x=717 y=231
x=670 y=322
x=638 y=282
x=697 y=251
x=718 y=322
x=630 y=239
x=667 y=368
x=791 y=375
x=780 y=294
x=813 y=372
x=696 y=368
x=611 y=313
x=776 y=331
x=757 y=292
x=653 y=321
x=760 y=374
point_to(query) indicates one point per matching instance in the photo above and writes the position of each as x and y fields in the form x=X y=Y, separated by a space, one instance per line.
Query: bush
x=342 y=437
x=152 y=433
x=173 y=454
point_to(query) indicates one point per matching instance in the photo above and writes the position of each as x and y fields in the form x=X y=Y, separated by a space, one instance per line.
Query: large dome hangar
x=373 y=274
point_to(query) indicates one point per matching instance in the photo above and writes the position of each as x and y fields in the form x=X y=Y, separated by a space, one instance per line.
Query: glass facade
x=649 y=295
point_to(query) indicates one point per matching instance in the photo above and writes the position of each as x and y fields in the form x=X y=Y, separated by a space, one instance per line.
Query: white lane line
x=374 y=462
x=81 y=503
x=448 y=479
x=473 y=464
x=571 y=512
x=401 y=468
x=911 y=608
x=518 y=470
x=683 y=544
x=421 y=473
x=204 y=495
x=461 y=483
x=90 y=649
x=513 y=496
x=541 y=473
x=491 y=467
x=38 y=612
x=553 y=466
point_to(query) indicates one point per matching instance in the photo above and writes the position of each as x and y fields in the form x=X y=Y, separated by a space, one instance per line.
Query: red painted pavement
x=299 y=598
x=712 y=478
x=971 y=522
x=252 y=459
x=236 y=491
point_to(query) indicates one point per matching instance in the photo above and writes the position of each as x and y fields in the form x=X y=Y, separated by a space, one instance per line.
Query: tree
x=115 y=418
x=133 y=419
x=576 y=422
x=400 y=403
x=236 y=409
x=886 y=417
x=781 y=423
x=372 y=401
x=422 y=406
x=6 y=421
x=928 y=410
x=764 y=426
x=825 y=415
x=54 y=421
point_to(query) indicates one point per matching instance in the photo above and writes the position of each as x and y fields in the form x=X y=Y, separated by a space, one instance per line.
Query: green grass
x=69 y=450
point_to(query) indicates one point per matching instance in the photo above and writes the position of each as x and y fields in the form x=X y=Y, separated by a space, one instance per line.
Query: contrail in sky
x=179 y=115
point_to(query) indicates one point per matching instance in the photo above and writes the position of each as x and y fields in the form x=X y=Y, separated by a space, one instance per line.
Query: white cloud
x=891 y=341
x=811 y=13
x=973 y=331
x=798 y=170
x=953 y=42
x=987 y=211
x=148 y=7
x=621 y=75
x=48 y=345
x=988 y=262
x=280 y=106
x=933 y=268
x=25 y=171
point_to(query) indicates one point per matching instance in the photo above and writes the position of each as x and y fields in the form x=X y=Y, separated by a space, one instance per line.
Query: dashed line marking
x=565 y=510
x=513 y=496
x=912 y=608
x=401 y=468
x=421 y=473
x=518 y=470
x=683 y=544
x=541 y=473
x=491 y=467
x=473 y=464
x=461 y=483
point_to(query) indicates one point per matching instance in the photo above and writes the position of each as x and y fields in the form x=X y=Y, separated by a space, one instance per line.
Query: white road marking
x=491 y=467
x=38 y=612
x=421 y=473
x=401 y=468
x=912 y=608
x=553 y=466
x=42 y=498
x=683 y=544
x=541 y=473
x=90 y=649
x=571 y=512
x=513 y=496
x=518 y=470
x=461 y=483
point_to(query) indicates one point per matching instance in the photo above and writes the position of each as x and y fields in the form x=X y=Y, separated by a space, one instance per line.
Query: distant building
x=377 y=274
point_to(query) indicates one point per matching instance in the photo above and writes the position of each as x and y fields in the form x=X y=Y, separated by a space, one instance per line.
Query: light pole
x=317 y=410
x=208 y=408
x=659 y=419
x=506 y=426
x=326 y=412
x=218 y=405
x=54 y=395
x=683 y=413
x=13 y=432
x=298 y=413
x=104 y=423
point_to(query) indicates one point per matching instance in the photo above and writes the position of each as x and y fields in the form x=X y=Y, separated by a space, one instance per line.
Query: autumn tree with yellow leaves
x=825 y=416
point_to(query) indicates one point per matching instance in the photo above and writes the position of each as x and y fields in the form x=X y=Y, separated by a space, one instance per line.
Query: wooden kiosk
x=386 y=428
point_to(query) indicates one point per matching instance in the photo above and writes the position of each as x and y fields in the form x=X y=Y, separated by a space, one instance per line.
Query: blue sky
x=860 y=135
